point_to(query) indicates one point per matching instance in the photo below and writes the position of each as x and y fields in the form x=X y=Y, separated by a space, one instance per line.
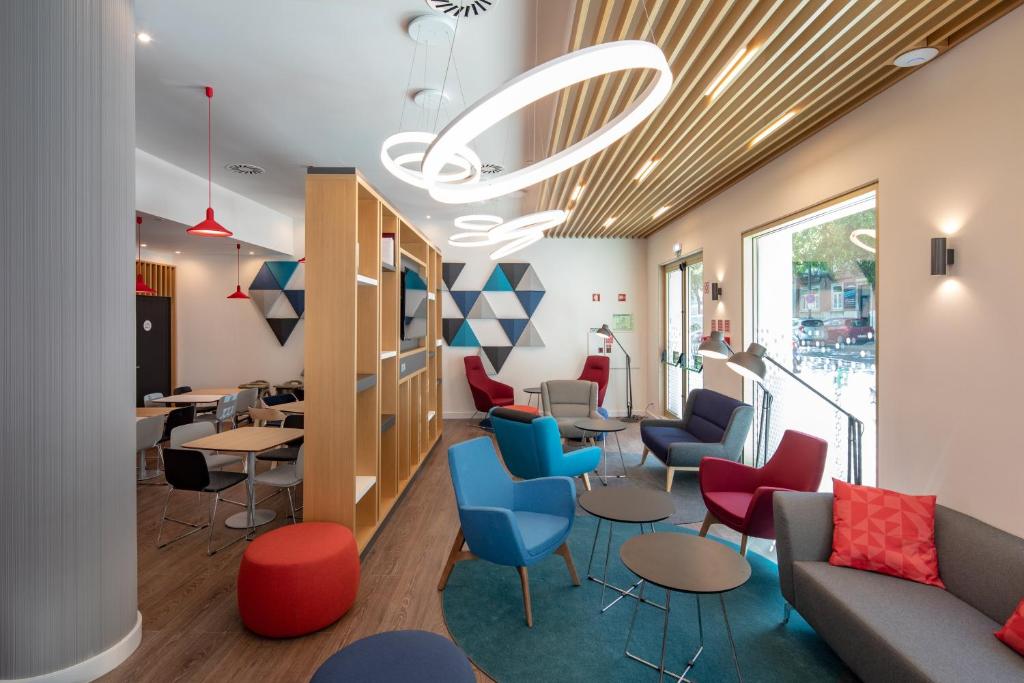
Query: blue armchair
x=513 y=523
x=713 y=425
x=531 y=447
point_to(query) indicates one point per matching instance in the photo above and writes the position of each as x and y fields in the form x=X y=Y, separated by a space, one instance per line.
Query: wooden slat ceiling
x=816 y=58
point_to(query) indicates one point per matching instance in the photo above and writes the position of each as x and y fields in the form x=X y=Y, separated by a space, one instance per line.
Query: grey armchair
x=713 y=425
x=568 y=401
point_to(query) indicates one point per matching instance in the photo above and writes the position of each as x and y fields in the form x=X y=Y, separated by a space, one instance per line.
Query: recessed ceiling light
x=916 y=57
x=577 y=192
x=252 y=253
x=660 y=211
x=608 y=223
x=779 y=123
x=428 y=217
x=143 y=245
x=177 y=252
x=646 y=169
x=144 y=37
x=730 y=72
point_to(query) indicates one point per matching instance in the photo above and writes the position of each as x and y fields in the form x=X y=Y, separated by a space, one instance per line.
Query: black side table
x=606 y=427
x=686 y=564
x=627 y=505
x=531 y=392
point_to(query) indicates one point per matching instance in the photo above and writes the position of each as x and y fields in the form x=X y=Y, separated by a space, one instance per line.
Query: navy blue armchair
x=713 y=425
x=512 y=523
x=531 y=447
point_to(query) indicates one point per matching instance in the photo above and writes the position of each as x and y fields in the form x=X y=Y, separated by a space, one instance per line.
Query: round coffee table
x=605 y=427
x=532 y=391
x=686 y=564
x=626 y=505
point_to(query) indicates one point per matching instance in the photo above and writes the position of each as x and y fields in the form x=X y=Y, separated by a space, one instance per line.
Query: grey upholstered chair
x=568 y=401
x=713 y=425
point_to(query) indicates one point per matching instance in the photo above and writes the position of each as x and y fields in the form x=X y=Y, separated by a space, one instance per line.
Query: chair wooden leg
x=586 y=481
x=524 y=579
x=643 y=456
x=709 y=519
x=669 y=476
x=457 y=554
x=563 y=550
x=743 y=545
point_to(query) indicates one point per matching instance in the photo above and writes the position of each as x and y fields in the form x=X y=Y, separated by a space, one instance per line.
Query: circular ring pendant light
x=513 y=235
x=535 y=84
x=465 y=160
x=477 y=222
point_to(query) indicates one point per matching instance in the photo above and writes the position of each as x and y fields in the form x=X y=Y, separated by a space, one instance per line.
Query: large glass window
x=683 y=326
x=811 y=301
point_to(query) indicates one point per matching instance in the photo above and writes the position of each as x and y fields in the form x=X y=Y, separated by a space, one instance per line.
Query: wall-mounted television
x=414 y=305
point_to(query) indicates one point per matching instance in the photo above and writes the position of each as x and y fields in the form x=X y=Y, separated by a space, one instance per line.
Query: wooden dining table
x=248 y=440
x=143 y=413
x=209 y=396
x=298 y=407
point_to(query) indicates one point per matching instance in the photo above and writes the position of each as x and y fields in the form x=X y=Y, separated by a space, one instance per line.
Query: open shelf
x=384 y=355
x=363 y=485
x=365 y=381
x=366 y=280
x=386 y=422
x=387 y=267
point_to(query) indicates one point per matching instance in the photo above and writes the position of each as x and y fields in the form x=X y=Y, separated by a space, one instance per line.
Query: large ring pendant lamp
x=465 y=160
x=480 y=221
x=535 y=84
x=513 y=235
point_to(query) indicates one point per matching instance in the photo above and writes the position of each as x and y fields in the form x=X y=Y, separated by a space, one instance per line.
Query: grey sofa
x=569 y=401
x=889 y=629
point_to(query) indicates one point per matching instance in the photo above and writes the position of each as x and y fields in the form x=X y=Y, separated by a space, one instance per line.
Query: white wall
x=946 y=147
x=571 y=270
x=163 y=189
x=224 y=342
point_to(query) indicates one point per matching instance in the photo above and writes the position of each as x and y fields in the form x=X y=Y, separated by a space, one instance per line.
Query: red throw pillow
x=1012 y=632
x=886 y=532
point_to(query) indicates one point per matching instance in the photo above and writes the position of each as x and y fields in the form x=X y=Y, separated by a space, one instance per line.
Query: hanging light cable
x=238 y=293
x=140 y=282
x=209 y=227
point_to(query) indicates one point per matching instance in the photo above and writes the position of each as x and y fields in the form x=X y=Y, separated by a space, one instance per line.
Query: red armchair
x=595 y=369
x=487 y=393
x=740 y=497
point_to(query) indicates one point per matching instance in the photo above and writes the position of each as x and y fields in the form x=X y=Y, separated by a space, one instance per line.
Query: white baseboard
x=95 y=666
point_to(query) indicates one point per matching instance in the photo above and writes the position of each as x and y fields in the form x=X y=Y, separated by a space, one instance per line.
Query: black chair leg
x=195 y=527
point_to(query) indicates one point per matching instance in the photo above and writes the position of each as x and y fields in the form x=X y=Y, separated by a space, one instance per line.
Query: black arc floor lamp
x=607 y=333
x=751 y=364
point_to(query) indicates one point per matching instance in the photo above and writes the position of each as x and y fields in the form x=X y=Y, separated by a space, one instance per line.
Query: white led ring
x=465 y=159
x=530 y=87
x=482 y=222
x=523 y=242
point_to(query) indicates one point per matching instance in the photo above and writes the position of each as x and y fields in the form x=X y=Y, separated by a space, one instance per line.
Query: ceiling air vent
x=462 y=8
x=245 y=169
x=492 y=169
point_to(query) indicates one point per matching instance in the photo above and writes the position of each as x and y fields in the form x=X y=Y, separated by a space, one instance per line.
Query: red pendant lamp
x=238 y=293
x=209 y=227
x=140 y=282
x=302 y=260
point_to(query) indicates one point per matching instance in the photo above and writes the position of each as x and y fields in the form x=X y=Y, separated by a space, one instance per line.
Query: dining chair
x=185 y=433
x=247 y=398
x=177 y=417
x=225 y=412
x=186 y=470
x=148 y=432
x=278 y=399
x=266 y=417
x=285 y=453
x=185 y=389
x=286 y=476
x=149 y=399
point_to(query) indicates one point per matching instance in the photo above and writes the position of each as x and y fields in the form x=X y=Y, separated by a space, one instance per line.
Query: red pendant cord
x=209 y=146
x=138 y=234
x=238 y=265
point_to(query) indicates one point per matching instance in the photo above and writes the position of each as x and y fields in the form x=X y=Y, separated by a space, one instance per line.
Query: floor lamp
x=607 y=333
x=751 y=364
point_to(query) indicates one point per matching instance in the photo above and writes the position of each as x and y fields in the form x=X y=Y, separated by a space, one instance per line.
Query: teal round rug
x=571 y=640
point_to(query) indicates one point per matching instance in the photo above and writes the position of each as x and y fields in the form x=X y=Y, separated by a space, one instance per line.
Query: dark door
x=152 y=346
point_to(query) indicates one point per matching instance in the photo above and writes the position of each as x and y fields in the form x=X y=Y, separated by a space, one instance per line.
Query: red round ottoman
x=298 y=579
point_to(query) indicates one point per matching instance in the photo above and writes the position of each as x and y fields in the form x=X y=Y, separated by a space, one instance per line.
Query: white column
x=68 y=594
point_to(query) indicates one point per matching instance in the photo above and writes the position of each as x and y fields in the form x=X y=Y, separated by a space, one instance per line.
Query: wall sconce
x=716 y=291
x=677 y=249
x=942 y=256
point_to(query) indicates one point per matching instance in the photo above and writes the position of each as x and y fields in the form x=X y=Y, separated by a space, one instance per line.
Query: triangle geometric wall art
x=497 y=315
x=279 y=293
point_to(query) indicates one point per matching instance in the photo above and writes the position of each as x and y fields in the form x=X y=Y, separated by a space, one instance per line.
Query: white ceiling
x=168 y=236
x=322 y=82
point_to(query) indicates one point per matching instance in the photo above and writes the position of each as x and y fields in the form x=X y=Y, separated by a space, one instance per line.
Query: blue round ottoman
x=397 y=656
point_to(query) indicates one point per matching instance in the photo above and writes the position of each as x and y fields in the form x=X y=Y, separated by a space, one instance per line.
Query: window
x=683 y=305
x=830 y=343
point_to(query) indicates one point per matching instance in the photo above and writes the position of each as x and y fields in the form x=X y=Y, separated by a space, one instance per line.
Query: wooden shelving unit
x=373 y=402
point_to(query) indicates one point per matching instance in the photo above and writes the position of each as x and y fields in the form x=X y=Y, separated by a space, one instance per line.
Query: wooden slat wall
x=820 y=59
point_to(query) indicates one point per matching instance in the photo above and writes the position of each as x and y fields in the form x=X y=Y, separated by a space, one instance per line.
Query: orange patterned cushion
x=1012 y=633
x=886 y=532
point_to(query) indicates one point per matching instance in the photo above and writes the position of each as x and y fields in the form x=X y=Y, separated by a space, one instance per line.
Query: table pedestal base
x=240 y=520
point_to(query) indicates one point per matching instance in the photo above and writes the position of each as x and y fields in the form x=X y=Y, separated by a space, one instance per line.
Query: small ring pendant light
x=140 y=282
x=238 y=293
x=209 y=227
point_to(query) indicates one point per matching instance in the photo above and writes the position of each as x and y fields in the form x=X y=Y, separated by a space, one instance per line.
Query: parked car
x=810 y=330
x=848 y=331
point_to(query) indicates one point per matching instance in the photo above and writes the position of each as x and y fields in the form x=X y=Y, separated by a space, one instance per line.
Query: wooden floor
x=191 y=628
